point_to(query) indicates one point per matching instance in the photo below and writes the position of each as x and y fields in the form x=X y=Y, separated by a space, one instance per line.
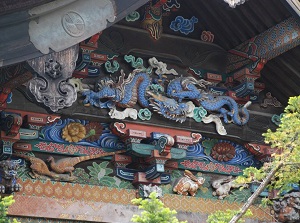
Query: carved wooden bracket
x=261 y=151
x=157 y=145
x=51 y=87
x=137 y=132
x=89 y=62
x=10 y=124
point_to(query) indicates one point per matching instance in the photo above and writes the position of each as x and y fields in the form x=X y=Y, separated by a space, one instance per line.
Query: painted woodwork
x=189 y=184
x=261 y=47
x=51 y=87
x=181 y=98
x=263 y=152
x=71 y=201
x=152 y=16
x=8 y=177
x=154 y=155
x=146 y=190
x=269 y=100
x=10 y=124
x=88 y=63
x=223 y=186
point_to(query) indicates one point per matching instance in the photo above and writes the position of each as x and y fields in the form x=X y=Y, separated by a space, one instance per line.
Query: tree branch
x=252 y=198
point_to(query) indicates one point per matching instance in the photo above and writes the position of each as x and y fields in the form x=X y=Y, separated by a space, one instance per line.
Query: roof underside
x=233 y=26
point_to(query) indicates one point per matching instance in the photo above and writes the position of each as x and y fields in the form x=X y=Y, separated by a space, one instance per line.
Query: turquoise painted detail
x=276 y=119
x=112 y=68
x=133 y=16
x=156 y=88
x=135 y=63
x=199 y=113
x=145 y=114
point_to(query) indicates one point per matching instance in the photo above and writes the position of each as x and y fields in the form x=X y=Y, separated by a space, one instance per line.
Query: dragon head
x=107 y=92
x=106 y=88
x=168 y=107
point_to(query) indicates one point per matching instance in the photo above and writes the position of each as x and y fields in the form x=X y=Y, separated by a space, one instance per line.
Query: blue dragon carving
x=135 y=88
x=185 y=88
x=125 y=93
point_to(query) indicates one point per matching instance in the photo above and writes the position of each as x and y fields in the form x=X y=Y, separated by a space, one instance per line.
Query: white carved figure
x=189 y=184
x=78 y=85
x=216 y=119
x=190 y=112
x=161 y=67
x=148 y=189
x=223 y=186
x=128 y=112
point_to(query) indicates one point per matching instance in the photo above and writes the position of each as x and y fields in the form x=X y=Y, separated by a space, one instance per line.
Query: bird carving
x=66 y=165
x=38 y=166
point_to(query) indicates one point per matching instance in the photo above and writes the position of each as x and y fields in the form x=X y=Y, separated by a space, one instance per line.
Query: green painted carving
x=145 y=150
x=133 y=16
x=208 y=144
x=145 y=114
x=135 y=63
x=199 y=113
x=156 y=88
x=239 y=196
x=99 y=175
x=112 y=68
x=23 y=172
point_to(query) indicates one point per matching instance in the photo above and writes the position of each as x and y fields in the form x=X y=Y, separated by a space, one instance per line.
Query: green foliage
x=226 y=216
x=286 y=143
x=154 y=211
x=251 y=174
x=5 y=202
x=284 y=164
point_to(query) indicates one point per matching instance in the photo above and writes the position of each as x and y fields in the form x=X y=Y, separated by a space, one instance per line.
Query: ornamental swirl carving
x=50 y=87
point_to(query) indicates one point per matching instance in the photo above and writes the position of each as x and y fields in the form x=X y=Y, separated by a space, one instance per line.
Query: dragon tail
x=244 y=118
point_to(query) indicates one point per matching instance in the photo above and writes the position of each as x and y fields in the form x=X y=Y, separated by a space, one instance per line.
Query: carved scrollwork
x=51 y=87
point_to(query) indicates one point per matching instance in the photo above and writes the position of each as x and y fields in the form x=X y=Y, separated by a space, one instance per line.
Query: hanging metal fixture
x=233 y=3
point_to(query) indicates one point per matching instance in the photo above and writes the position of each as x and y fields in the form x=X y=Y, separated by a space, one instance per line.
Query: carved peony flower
x=73 y=132
x=223 y=152
x=94 y=131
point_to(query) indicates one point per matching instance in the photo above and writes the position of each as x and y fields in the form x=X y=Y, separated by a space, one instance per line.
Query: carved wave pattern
x=242 y=156
x=106 y=140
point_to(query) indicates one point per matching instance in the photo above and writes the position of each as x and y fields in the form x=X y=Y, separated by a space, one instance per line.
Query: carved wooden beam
x=62 y=25
x=126 y=129
x=261 y=48
x=10 y=124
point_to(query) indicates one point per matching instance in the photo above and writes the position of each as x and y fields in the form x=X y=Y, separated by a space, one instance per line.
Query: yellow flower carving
x=73 y=132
